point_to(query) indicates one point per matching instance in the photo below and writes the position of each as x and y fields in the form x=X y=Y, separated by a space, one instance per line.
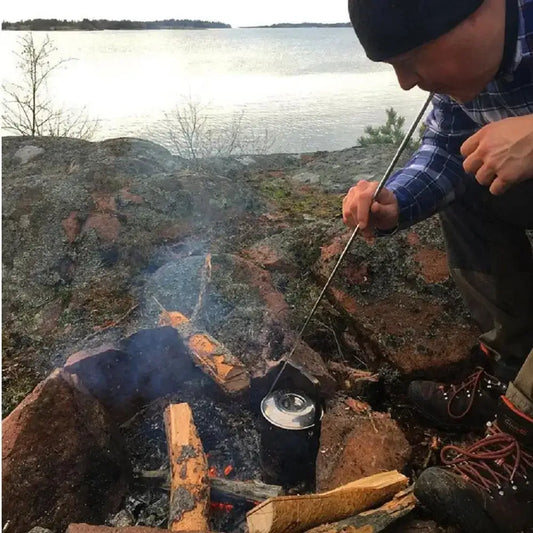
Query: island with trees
x=306 y=25
x=104 y=24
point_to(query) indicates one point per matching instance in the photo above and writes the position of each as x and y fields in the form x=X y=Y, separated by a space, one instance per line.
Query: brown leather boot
x=466 y=405
x=488 y=486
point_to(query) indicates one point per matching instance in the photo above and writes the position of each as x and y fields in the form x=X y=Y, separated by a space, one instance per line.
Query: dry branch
x=209 y=354
x=375 y=520
x=189 y=490
x=352 y=379
x=112 y=324
x=295 y=514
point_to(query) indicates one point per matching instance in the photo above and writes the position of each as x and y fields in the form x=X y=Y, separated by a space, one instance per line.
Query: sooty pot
x=290 y=432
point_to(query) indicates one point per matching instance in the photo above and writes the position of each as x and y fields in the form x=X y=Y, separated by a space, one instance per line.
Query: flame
x=212 y=472
x=228 y=470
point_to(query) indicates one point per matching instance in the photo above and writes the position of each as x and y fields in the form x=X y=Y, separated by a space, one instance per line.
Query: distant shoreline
x=104 y=24
x=303 y=25
x=169 y=24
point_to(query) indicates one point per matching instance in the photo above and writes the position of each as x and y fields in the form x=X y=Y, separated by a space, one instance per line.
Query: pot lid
x=289 y=410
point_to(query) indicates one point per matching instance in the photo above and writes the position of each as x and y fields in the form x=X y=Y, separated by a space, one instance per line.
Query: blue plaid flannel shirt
x=434 y=176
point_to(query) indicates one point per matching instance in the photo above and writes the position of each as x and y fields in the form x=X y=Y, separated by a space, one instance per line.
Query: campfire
x=199 y=455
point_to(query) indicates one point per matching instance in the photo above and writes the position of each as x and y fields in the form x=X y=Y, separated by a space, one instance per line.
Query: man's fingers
x=472 y=164
x=470 y=145
x=499 y=186
x=363 y=212
x=485 y=175
x=348 y=215
x=359 y=208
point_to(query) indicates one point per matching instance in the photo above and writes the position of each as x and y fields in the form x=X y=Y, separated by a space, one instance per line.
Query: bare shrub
x=192 y=133
x=28 y=108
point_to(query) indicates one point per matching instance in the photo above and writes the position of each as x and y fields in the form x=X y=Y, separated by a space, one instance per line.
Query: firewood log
x=209 y=354
x=375 y=520
x=189 y=487
x=296 y=514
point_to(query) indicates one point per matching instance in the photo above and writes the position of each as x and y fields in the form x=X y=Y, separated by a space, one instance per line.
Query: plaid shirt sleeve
x=434 y=176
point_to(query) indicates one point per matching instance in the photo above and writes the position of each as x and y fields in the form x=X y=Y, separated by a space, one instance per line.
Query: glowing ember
x=212 y=472
x=225 y=507
x=228 y=470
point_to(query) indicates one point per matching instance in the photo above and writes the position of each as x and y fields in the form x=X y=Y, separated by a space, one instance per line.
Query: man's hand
x=501 y=153
x=356 y=208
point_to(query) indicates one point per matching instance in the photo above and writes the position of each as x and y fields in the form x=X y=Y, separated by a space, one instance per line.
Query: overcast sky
x=234 y=12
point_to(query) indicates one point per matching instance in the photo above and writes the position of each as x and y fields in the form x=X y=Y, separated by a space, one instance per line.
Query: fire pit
x=131 y=388
x=229 y=436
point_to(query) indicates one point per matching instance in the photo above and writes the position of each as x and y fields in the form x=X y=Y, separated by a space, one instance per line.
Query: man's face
x=461 y=62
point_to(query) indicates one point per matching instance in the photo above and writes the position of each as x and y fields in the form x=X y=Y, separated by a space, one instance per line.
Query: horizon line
x=163 y=19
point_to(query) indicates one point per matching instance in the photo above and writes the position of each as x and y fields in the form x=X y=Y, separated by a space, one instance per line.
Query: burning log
x=296 y=514
x=209 y=354
x=375 y=520
x=189 y=492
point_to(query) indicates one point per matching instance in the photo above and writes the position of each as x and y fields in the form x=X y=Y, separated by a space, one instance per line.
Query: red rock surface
x=433 y=265
x=420 y=339
x=126 y=195
x=265 y=257
x=49 y=317
x=355 y=443
x=104 y=202
x=72 y=226
x=106 y=226
x=331 y=251
x=344 y=300
x=61 y=462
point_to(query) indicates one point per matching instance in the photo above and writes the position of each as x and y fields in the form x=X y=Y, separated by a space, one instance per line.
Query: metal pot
x=290 y=432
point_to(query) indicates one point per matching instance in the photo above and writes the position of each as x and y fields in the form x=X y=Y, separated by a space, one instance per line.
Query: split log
x=296 y=514
x=375 y=520
x=189 y=492
x=249 y=491
x=209 y=354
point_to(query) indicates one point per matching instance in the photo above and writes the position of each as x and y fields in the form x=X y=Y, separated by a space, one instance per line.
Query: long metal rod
x=379 y=188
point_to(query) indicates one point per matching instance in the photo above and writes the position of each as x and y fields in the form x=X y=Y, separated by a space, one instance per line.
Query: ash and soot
x=231 y=443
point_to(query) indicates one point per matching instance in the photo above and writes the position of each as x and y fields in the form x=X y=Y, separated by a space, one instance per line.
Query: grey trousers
x=491 y=261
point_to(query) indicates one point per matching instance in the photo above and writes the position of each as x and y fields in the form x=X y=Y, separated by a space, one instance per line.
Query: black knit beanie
x=387 y=28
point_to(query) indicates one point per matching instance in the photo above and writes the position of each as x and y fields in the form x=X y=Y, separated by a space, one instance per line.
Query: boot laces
x=491 y=462
x=470 y=386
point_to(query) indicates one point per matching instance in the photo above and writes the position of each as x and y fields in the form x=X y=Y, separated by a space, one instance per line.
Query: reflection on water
x=312 y=88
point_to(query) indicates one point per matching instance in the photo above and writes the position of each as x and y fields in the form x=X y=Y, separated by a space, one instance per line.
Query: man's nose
x=407 y=77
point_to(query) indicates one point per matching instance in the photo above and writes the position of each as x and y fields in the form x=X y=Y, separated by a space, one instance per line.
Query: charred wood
x=189 y=494
x=245 y=491
x=250 y=491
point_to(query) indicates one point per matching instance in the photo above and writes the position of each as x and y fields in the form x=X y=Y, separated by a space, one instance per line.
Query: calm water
x=312 y=88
